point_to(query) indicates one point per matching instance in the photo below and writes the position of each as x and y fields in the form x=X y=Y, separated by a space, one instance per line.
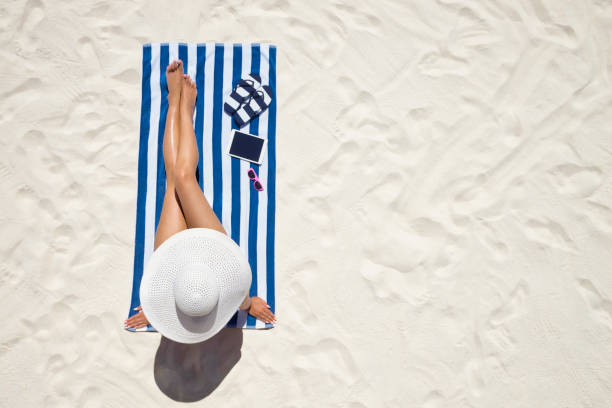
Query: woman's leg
x=171 y=219
x=196 y=208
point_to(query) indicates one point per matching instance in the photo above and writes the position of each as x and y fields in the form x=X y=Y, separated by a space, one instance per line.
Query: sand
x=444 y=224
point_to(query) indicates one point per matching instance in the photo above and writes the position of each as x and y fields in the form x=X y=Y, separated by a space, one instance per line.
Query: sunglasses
x=253 y=176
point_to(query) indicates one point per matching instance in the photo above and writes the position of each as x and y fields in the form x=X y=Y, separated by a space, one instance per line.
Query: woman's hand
x=260 y=310
x=137 y=321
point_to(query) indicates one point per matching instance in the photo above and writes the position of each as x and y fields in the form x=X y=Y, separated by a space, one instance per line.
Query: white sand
x=444 y=226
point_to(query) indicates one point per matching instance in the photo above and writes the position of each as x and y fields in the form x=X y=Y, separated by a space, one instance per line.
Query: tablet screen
x=246 y=146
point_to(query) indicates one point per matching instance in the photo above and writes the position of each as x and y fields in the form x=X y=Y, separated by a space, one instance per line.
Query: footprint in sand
x=442 y=63
x=329 y=360
x=550 y=234
x=576 y=181
x=33 y=13
x=600 y=306
x=8 y=276
x=386 y=283
x=512 y=307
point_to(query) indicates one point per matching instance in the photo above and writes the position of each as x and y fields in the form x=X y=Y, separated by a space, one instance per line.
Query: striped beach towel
x=246 y=214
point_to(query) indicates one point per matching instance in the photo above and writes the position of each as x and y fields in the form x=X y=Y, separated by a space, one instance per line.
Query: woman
x=185 y=206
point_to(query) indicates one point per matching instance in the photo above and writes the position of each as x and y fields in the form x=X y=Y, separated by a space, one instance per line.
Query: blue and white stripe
x=247 y=215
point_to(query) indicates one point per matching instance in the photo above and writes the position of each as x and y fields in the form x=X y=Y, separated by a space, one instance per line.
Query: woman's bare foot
x=259 y=309
x=137 y=321
x=174 y=79
x=188 y=96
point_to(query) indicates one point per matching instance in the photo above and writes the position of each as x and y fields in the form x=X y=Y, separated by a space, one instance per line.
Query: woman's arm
x=258 y=308
x=246 y=303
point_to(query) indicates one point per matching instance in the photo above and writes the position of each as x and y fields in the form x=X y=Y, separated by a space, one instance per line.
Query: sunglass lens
x=251 y=174
x=257 y=185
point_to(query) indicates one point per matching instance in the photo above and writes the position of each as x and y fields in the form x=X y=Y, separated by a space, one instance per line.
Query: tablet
x=247 y=147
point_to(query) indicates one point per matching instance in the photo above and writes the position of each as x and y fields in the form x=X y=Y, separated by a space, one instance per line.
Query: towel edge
x=145 y=45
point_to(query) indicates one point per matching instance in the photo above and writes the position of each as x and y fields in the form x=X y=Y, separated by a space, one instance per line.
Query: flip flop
x=243 y=90
x=256 y=104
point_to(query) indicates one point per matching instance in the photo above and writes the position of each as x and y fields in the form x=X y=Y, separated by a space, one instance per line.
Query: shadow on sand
x=190 y=372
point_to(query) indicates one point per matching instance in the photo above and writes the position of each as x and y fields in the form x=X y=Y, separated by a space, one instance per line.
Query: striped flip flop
x=241 y=93
x=255 y=105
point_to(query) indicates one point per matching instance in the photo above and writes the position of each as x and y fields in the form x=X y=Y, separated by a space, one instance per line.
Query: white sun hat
x=193 y=284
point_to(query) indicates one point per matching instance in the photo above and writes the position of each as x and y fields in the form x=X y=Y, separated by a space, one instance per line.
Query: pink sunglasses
x=253 y=176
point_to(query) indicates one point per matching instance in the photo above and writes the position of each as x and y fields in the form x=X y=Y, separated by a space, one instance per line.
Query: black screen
x=246 y=146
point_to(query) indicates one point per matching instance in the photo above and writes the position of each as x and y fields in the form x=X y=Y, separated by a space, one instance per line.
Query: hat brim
x=194 y=246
